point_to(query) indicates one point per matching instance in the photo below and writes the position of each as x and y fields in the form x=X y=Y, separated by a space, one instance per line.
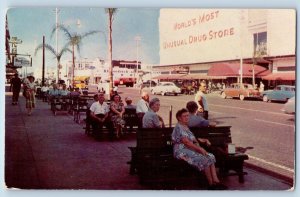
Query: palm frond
x=63 y=28
x=64 y=50
x=89 y=33
x=48 y=47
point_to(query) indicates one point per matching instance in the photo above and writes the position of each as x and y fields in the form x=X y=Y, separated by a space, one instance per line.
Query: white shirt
x=203 y=98
x=142 y=106
x=97 y=108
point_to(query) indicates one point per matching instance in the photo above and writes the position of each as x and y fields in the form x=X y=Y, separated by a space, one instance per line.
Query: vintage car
x=165 y=88
x=289 y=107
x=149 y=83
x=280 y=93
x=241 y=91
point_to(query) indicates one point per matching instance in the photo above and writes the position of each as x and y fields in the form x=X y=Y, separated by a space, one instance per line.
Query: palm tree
x=258 y=54
x=74 y=40
x=110 y=12
x=57 y=54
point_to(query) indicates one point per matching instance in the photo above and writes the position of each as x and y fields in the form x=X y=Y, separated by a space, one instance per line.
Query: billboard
x=209 y=35
x=22 y=62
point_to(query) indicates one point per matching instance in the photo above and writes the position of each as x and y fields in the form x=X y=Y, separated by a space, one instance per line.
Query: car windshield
x=248 y=86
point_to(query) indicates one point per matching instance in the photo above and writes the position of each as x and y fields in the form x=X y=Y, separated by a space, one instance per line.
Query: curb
x=288 y=180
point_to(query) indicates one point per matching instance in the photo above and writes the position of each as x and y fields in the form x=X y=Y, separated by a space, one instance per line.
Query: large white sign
x=22 y=62
x=210 y=35
x=198 y=35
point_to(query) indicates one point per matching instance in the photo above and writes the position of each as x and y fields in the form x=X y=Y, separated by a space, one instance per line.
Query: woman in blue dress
x=187 y=148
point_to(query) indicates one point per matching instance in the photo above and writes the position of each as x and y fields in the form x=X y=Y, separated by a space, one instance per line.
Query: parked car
x=147 y=83
x=280 y=93
x=241 y=91
x=164 y=88
x=289 y=107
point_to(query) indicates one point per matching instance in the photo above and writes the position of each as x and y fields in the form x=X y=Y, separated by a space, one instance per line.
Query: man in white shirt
x=99 y=115
x=142 y=107
x=201 y=101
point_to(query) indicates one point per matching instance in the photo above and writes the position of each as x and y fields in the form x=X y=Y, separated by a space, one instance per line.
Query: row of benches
x=152 y=158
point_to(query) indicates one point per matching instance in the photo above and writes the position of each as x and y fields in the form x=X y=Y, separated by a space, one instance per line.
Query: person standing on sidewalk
x=30 y=90
x=15 y=87
x=201 y=101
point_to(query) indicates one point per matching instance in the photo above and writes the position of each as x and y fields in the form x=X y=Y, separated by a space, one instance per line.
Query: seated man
x=194 y=120
x=142 y=107
x=129 y=105
x=64 y=91
x=198 y=121
x=75 y=93
x=99 y=116
x=53 y=93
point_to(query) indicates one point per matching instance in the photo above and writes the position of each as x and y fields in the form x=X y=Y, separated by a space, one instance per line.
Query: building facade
x=195 y=39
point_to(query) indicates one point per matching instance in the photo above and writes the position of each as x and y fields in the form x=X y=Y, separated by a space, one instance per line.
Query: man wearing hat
x=15 y=87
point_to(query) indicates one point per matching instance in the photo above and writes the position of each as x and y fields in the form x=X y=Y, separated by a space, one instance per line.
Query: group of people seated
x=111 y=116
x=185 y=145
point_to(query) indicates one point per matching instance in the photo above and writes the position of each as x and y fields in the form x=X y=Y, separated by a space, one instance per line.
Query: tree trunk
x=110 y=54
x=73 y=66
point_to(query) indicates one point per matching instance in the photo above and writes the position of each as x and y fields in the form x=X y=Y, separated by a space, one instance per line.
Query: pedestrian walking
x=261 y=87
x=201 y=101
x=29 y=85
x=15 y=87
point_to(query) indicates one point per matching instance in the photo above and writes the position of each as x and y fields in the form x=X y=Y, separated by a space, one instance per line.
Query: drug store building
x=228 y=44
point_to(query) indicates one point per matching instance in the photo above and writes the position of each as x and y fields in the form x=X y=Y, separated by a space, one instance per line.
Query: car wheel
x=265 y=98
x=223 y=95
x=175 y=94
x=286 y=100
x=242 y=97
x=152 y=91
x=163 y=93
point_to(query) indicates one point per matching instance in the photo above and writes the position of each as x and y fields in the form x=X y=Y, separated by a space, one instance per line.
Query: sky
x=30 y=24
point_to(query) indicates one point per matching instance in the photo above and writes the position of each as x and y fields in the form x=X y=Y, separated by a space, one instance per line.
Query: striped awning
x=169 y=76
x=280 y=76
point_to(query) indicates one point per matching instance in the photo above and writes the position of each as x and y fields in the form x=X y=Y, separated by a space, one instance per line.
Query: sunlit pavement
x=43 y=151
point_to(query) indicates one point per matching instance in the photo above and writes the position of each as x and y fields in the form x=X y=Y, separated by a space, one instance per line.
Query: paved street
x=52 y=152
x=262 y=126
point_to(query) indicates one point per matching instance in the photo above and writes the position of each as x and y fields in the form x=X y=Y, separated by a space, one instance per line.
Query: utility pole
x=137 y=39
x=241 y=45
x=56 y=37
x=43 y=69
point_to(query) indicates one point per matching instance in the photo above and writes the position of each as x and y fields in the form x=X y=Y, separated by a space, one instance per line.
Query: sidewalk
x=44 y=151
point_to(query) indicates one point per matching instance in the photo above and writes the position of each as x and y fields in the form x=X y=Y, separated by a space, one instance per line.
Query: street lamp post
x=137 y=39
x=241 y=45
x=56 y=37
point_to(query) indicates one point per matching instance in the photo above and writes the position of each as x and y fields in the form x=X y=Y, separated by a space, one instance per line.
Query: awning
x=233 y=70
x=201 y=76
x=80 y=78
x=280 y=76
x=169 y=76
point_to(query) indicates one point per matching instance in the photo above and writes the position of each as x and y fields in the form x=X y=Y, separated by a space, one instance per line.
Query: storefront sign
x=22 y=62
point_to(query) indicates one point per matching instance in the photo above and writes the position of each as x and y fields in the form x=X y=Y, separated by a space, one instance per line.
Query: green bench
x=152 y=158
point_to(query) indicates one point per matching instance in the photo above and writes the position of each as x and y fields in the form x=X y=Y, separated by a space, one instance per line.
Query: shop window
x=260 y=43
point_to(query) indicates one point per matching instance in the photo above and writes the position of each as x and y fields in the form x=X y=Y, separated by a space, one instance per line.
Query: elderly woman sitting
x=194 y=120
x=187 y=148
x=151 y=119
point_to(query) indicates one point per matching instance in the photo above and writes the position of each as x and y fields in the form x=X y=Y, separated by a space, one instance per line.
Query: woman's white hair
x=153 y=101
